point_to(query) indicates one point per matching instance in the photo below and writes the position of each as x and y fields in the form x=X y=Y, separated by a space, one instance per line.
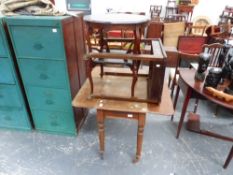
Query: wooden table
x=193 y=88
x=107 y=22
x=157 y=64
x=121 y=109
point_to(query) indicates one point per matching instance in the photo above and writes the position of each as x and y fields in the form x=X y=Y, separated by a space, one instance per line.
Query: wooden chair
x=171 y=8
x=189 y=47
x=175 y=18
x=186 y=10
x=171 y=33
x=196 y=30
x=155 y=11
x=229 y=158
x=214 y=49
x=227 y=14
x=154 y=29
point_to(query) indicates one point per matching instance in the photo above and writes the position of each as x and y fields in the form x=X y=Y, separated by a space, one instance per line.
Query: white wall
x=210 y=8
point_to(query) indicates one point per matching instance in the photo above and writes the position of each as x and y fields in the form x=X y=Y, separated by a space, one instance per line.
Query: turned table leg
x=135 y=77
x=141 y=125
x=100 y=120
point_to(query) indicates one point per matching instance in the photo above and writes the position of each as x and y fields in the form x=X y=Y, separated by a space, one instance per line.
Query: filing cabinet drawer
x=45 y=73
x=54 y=121
x=37 y=42
x=6 y=74
x=3 y=49
x=14 y=118
x=49 y=99
x=9 y=96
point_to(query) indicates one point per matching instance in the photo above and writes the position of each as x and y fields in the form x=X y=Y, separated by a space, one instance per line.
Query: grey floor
x=35 y=153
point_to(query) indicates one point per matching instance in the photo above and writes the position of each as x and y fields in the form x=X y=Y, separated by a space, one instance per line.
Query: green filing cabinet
x=13 y=111
x=49 y=52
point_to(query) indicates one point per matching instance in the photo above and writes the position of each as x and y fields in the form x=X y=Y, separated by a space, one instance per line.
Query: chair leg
x=101 y=70
x=229 y=157
x=173 y=86
x=169 y=81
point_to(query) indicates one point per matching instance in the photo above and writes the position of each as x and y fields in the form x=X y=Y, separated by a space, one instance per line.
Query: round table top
x=187 y=75
x=116 y=18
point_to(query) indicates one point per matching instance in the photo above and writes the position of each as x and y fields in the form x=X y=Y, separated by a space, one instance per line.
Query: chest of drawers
x=13 y=111
x=49 y=53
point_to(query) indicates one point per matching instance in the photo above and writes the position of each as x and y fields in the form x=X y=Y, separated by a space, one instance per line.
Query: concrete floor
x=34 y=153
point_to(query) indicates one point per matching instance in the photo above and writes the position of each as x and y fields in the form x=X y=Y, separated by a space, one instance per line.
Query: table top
x=114 y=19
x=119 y=85
x=187 y=75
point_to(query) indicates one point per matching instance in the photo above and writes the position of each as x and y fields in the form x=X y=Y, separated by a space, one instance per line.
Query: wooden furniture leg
x=175 y=100
x=141 y=125
x=135 y=77
x=100 y=121
x=229 y=157
x=186 y=101
x=89 y=66
x=141 y=117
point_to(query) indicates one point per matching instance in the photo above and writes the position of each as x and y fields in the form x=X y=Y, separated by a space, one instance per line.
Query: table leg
x=135 y=77
x=141 y=125
x=137 y=34
x=229 y=157
x=89 y=66
x=100 y=120
x=175 y=100
x=186 y=101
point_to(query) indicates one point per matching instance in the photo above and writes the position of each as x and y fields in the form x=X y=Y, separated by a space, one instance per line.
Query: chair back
x=175 y=18
x=171 y=3
x=171 y=33
x=171 y=8
x=191 y=44
x=197 y=30
x=154 y=29
x=155 y=11
x=186 y=10
x=214 y=49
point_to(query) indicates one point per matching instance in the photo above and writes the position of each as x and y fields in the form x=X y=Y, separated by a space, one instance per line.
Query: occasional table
x=121 y=109
x=193 y=88
x=107 y=22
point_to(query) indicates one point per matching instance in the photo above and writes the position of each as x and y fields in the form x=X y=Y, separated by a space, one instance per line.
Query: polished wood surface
x=83 y=98
x=187 y=75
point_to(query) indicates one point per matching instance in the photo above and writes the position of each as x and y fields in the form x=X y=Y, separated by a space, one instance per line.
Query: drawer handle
x=49 y=102
x=8 y=118
x=54 y=123
x=38 y=46
x=43 y=77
